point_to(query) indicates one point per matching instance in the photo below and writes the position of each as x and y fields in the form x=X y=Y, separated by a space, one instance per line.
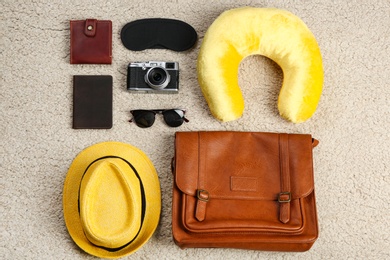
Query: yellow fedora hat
x=111 y=199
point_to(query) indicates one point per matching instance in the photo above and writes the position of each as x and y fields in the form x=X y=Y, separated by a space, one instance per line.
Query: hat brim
x=148 y=176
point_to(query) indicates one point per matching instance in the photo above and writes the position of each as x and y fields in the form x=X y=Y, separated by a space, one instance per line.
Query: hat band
x=143 y=206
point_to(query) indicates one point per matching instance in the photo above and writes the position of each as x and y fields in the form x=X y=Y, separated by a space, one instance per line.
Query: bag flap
x=241 y=165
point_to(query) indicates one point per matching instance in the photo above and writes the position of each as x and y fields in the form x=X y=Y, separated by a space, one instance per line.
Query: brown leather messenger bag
x=247 y=190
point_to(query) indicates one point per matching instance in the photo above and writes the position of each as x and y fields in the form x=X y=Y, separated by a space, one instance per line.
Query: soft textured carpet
x=352 y=162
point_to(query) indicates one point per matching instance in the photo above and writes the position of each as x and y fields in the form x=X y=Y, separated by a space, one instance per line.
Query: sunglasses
x=146 y=118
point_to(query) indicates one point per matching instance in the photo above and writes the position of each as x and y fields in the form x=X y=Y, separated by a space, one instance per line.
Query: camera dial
x=157 y=78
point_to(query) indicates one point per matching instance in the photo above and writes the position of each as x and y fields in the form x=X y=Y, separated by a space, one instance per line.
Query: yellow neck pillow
x=276 y=34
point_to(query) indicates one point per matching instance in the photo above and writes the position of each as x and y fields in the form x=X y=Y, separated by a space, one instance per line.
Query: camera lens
x=157 y=78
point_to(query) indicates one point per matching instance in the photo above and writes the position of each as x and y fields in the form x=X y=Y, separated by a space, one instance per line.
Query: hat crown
x=110 y=203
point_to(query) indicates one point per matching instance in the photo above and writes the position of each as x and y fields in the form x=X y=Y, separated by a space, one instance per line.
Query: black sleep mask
x=158 y=33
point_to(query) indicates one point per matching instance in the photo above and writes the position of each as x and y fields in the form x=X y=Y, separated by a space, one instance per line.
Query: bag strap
x=284 y=197
x=201 y=193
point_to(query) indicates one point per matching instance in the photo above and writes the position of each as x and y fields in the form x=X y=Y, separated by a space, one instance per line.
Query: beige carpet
x=352 y=162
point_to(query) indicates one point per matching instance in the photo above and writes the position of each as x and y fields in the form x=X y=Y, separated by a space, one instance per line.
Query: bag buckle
x=284 y=197
x=202 y=195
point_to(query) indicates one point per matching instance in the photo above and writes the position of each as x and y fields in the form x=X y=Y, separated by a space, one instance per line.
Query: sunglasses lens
x=174 y=117
x=143 y=118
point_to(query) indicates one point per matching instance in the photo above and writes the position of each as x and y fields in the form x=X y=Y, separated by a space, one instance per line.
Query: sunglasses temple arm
x=184 y=118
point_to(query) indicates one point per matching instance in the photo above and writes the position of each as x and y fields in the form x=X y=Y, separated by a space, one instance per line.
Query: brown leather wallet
x=246 y=190
x=90 y=42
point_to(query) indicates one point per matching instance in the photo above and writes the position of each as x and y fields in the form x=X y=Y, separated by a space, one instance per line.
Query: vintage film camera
x=153 y=77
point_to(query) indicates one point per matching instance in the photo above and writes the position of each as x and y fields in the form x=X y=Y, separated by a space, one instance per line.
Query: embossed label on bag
x=243 y=183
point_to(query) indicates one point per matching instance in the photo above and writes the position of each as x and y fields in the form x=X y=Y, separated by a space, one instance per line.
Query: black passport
x=92 y=102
